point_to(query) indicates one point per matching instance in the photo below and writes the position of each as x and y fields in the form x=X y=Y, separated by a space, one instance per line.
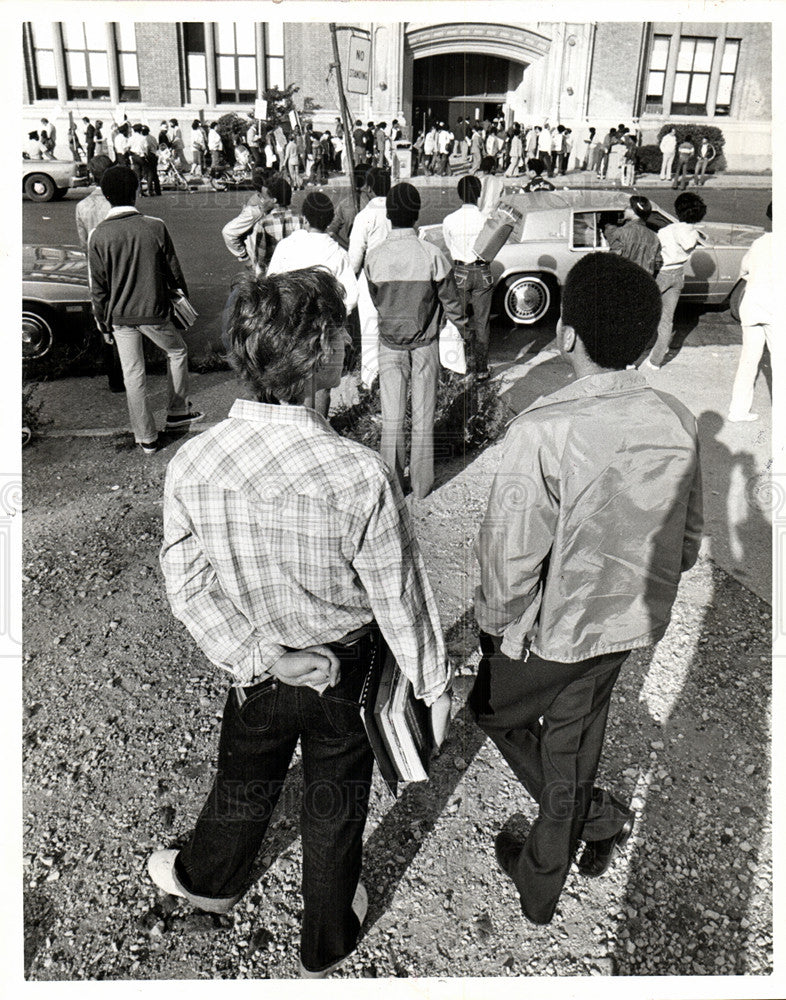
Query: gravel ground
x=121 y=719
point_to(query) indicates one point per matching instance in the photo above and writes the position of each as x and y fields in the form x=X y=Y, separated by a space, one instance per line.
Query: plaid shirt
x=272 y=228
x=278 y=532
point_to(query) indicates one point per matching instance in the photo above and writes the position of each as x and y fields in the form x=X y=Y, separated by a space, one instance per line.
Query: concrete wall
x=159 y=64
x=614 y=72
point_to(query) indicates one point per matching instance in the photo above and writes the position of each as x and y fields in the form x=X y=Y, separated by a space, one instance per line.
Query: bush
x=467 y=416
x=698 y=132
x=31 y=409
x=648 y=159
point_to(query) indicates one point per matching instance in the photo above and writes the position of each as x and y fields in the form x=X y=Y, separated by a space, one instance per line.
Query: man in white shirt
x=545 y=150
x=473 y=275
x=757 y=315
x=668 y=147
x=121 y=144
x=444 y=145
x=370 y=228
x=429 y=149
x=137 y=150
x=311 y=247
x=215 y=147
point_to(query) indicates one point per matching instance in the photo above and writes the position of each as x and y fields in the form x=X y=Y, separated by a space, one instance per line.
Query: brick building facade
x=580 y=74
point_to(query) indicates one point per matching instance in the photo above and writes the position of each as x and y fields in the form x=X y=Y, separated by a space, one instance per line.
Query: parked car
x=50 y=180
x=56 y=307
x=558 y=227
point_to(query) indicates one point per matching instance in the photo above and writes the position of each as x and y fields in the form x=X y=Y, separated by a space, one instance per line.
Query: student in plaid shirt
x=287 y=550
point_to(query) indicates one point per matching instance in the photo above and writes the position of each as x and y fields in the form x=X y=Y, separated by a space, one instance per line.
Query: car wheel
x=528 y=298
x=39 y=187
x=735 y=299
x=37 y=333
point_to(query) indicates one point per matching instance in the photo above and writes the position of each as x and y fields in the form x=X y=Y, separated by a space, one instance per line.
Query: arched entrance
x=467 y=70
x=462 y=85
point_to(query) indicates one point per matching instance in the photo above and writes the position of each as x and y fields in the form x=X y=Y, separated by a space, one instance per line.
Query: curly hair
x=282 y=328
x=688 y=207
x=614 y=307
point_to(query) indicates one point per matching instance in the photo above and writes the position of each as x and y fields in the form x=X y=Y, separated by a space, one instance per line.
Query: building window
x=87 y=65
x=236 y=64
x=125 y=44
x=196 y=62
x=656 y=75
x=274 y=55
x=692 y=79
x=42 y=45
x=731 y=54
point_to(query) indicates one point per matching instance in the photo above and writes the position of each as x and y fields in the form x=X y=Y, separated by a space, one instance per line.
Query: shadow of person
x=693 y=742
x=737 y=530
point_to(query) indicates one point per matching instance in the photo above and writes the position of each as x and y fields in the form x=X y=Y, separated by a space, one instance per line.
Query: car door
x=701 y=268
x=588 y=228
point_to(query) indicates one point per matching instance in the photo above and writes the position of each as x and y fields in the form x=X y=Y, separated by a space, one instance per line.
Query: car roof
x=541 y=212
x=57 y=264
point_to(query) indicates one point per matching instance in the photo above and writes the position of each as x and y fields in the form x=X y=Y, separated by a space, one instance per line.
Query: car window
x=584 y=230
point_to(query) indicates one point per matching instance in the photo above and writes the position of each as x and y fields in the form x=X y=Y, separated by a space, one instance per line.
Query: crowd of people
x=290 y=553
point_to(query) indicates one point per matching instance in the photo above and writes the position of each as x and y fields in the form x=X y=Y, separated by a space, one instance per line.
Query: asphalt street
x=195 y=221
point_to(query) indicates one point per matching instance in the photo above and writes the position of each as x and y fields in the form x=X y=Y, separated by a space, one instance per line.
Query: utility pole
x=349 y=148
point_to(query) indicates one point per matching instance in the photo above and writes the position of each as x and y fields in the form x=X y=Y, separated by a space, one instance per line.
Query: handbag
x=183 y=313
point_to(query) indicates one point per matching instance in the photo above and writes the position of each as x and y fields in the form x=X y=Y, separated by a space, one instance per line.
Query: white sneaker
x=742 y=418
x=650 y=366
x=161 y=869
x=360 y=909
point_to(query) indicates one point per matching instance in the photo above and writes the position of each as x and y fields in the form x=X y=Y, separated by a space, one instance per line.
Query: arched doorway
x=462 y=85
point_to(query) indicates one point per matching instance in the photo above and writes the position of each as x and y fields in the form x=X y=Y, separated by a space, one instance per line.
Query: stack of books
x=397 y=723
x=183 y=312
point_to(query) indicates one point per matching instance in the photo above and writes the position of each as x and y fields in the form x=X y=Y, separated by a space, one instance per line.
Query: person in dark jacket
x=408 y=280
x=633 y=239
x=134 y=272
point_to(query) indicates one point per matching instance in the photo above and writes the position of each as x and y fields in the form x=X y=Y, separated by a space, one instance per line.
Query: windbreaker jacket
x=594 y=512
x=408 y=278
x=133 y=270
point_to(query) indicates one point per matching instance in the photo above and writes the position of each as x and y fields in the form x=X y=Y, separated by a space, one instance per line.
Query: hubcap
x=527 y=300
x=36 y=337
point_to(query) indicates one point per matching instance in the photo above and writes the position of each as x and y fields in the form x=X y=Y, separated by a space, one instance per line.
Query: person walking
x=429 y=151
x=685 y=152
x=475 y=148
x=90 y=138
x=515 y=153
x=101 y=144
x=668 y=148
x=408 y=279
x=175 y=136
x=215 y=148
x=292 y=163
x=545 y=150
x=598 y=492
x=444 y=144
x=198 y=148
x=472 y=274
x=757 y=316
x=151 y=163
x=311 y=246
x=492 y=186
x=358 y=143
x=370 y=228
x=677 y=241
x=48 y=136
x=633 y=240
x=590 y=145
x=134 y=272
x=295 y=616
x=137 y=153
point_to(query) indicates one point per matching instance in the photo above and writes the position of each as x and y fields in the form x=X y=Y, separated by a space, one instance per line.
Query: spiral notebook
x=397 y=723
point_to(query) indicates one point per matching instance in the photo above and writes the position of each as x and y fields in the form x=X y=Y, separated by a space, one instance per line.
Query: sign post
x=345 y=116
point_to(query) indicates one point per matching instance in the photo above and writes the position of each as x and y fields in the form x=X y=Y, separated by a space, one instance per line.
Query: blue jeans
x=259 y=732
x=475 y=287
x=670 y=281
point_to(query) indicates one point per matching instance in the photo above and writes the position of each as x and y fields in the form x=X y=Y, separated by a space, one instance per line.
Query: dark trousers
x=258 y=738
x=139 y=166
x=548 y=720
x=151 y=166
x=681 y=177
x=475 y=287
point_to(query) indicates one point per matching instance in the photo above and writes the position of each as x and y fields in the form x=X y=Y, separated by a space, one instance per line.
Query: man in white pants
x=668 y=147
x=370 y=228
x=756 y=316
